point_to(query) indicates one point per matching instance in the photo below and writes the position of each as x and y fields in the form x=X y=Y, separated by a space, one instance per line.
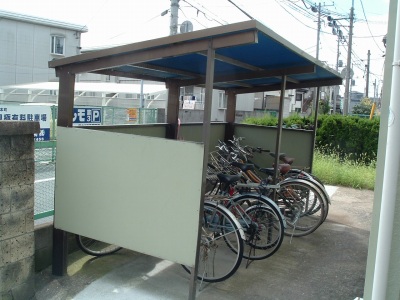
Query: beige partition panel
x=141 y=193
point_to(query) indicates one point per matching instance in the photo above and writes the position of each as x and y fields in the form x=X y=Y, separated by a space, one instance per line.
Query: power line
x=369 y=29
x=194 y=19
x=294 y=16
x=205 y=14
x=242 y=10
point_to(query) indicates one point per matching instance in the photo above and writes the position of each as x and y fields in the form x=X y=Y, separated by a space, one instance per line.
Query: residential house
x=28 y=43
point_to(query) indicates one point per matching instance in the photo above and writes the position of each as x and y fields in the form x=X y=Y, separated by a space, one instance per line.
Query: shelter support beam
x=65 y=112
x=289 y=86
x=307 y=69
x=60 y=252
x=279 y=128
x=206 y=142
x=230 y=115
x=66 y=99
x=172 y=111
x=315 y=126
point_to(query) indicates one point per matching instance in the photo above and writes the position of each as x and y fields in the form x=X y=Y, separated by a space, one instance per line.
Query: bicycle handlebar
x=259 y=150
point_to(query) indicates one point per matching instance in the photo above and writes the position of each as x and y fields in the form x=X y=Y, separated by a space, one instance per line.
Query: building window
x=222 y=100
x=57 y=44
x=299 y=97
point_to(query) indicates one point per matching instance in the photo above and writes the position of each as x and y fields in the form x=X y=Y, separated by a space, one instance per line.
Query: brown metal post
x=172 y=110
x=65 y=111
x=315 y=128
x=230 y=115
x=206 y=142
x=279 y=128
x=66 y=99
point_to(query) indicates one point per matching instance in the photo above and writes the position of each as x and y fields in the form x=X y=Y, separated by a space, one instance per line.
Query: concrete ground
x=327 y=264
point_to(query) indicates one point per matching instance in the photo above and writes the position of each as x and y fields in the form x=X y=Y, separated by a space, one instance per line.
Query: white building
x=28 y=43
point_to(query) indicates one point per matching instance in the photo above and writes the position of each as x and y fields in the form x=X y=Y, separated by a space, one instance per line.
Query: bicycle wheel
x=95 y=247
x=299 y=174
x=262 y=223
x=217 y=261
x=302 y=205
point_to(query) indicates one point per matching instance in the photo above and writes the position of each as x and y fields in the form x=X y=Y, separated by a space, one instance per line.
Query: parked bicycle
x=301 y=201
x=247 y=152
x=95 y=247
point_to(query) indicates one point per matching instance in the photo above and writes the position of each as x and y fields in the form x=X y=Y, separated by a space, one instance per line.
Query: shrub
x=347 y=136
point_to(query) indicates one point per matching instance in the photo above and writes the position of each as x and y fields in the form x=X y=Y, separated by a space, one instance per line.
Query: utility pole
x=173 y=27
x=317 y=10
x=319 y=29
x=348 y=67
x=315 y=97
x=336 y=88
x=368 y=62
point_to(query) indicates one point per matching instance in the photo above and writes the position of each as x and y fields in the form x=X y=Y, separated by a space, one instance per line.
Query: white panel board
x=142 y=193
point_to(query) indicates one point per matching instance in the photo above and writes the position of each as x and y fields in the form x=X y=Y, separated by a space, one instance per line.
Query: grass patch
x=343 y=172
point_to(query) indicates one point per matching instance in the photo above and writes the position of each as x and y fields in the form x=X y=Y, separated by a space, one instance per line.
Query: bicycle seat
x=283 y=169
x=229 y=179
x=243 y=167
x=284 y=158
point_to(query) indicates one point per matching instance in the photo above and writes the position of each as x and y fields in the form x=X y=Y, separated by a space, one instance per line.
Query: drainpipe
x=390 y=179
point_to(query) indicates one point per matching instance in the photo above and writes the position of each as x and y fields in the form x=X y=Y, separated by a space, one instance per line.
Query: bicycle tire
x=94 y=247
x=303 y=207
x=299 y=174
x=320 y=189
x=266 y=228
x=217 y=262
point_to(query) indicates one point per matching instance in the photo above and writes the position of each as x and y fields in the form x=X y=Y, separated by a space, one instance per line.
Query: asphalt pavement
x=329 y=264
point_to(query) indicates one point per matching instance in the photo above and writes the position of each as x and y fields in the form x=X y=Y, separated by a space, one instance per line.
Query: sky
x=116 y=22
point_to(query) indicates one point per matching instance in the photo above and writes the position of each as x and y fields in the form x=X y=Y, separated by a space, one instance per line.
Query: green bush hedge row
x=348 y=136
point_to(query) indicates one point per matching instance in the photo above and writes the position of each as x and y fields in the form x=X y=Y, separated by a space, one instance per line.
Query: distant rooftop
x=41 y=21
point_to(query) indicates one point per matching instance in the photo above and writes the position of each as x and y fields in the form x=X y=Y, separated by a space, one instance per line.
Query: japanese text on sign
x=87 y=116
x=41 y=114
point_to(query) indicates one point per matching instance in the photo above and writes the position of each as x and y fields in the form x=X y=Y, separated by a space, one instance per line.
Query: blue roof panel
x=249 y=57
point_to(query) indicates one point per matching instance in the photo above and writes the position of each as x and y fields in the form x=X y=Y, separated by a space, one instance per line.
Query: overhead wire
x=369 y=29
x=304 y=9
x=294 y=16
x=207 y=16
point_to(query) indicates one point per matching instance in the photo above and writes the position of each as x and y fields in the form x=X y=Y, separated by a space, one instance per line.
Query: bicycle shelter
x=149 y=194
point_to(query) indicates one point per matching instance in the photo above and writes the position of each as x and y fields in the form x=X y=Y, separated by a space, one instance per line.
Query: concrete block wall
x=17 y=175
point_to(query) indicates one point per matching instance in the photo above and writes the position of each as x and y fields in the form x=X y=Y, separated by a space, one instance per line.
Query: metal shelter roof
x=239 y=58
x=249 y=58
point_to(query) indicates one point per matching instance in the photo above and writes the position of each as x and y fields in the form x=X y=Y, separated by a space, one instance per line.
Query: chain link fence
x=45 y=154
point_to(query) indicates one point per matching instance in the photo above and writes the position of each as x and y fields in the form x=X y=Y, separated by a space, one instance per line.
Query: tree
x=324 y=107
x=364 y=108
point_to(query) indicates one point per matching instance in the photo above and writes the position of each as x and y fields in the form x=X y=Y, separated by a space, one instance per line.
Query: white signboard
x=84 y=116
x=41 y=114
x=189 y=104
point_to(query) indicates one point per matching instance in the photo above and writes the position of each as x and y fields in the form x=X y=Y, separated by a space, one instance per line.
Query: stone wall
x=17 y=244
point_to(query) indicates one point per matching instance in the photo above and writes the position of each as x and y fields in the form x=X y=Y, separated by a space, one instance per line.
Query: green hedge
x=347 y=136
